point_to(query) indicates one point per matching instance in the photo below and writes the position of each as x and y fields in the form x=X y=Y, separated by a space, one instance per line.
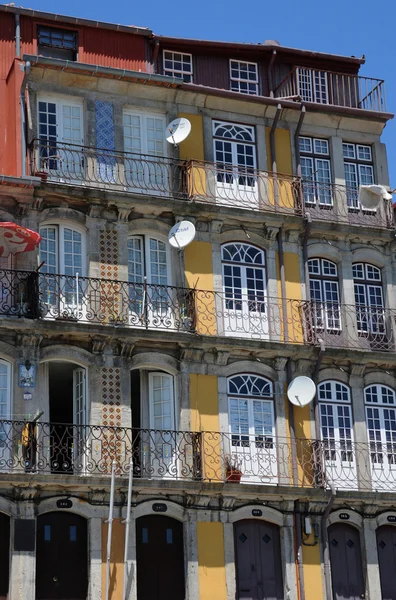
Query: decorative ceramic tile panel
x=112 y=448
x=109 y=269
x=104 y=125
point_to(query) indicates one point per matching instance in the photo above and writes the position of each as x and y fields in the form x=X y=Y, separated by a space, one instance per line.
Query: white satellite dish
x=301 y=391
x=370 y=196
x=181 y=234
x=177 y=131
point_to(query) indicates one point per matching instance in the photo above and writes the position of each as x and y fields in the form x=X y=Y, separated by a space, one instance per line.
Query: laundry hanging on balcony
x=15 y=239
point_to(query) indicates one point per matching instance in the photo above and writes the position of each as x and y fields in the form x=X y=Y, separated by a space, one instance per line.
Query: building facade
x=116 y=347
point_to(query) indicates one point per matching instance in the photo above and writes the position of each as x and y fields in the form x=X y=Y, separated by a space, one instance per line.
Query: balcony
x=333 y=89
x=55 y=449
x=203 y=183
x=143 y=306
x=106 y=169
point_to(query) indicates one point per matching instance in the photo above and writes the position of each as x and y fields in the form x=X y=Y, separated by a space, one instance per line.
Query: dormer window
x=57 y=43
x=178 y=64
x=244 y=77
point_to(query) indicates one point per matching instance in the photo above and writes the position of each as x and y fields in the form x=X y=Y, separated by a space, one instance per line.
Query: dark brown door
x=61 y=557
x=258 y=561
x=4 y=555
x=386 y=545
x=346 y=562
x=160 y=558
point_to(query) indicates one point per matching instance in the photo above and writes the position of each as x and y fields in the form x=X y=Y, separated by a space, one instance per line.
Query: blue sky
x=350 y=27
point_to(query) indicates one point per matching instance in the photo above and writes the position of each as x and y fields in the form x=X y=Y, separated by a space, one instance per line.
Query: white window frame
x=151 y=375
x=382 y=448
x=8 y=365
x=60 y=244
x=309 y=91
x=327 y=313
x=371 y=317
x=238 y=80
x=357 y=163
x=143 y=116
x=173 y=72
x=314 y=192
x=145 y=238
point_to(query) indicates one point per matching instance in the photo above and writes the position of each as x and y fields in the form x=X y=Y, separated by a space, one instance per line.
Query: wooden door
x=61 y=557
x=346 y=562
x=258 y=561
x=160 y=558
x=4 y=555
x=386 y=545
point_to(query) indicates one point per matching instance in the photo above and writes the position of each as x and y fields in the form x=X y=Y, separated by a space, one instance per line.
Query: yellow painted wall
x=198 y=266
x=293 y=293
x=116 y=560
x=204 y=407
x=284 y=166
x=193 y=149
x=312 y=571
x=211 y=561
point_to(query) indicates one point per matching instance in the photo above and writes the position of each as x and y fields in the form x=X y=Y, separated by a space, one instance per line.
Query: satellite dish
x=370 y=196
x=301 y=391
x=181 y=234
x=177 y=131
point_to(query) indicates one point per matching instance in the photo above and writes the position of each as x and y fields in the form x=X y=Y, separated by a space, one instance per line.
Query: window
x=144 y=135
x=358 y=167
x=312 y=85
x=336 y=421
x=149 y=276
x=62 y=249
x=235 y=157
x=324 y=291
x=61 y=280
x=245 y=290
x=5 y=412
x=57 y=43
x=244 y=77
x=316 y=171
x=381 y=427
x=252 y=426
x=178 y=64
x=368 y=298
x=60 y=132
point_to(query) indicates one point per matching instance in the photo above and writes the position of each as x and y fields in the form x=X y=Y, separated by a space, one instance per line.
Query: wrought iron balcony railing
x=262 y=459
x=252 y=315
x=123 y=171
x=244 y=187
x=337 y=89
x=204 y=182
x=339 y=204
x=349 y=326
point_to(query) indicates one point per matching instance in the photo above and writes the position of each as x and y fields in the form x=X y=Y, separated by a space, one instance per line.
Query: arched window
x=380 y=403
x=245 y=290
x=251 y=409
x=336 y=420
x=368 y=298
x=235 y=157
x=324 y=291
x=252 y=426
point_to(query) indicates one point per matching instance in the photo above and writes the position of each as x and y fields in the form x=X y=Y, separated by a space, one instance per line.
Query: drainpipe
x=307 y=233
x=298 y=548
x=26 y=68
x=283 y=283
x=273 y=153
x=155 y=54
x=17 y=35
x=325 y=541
x=271 y=74
x=296 y=140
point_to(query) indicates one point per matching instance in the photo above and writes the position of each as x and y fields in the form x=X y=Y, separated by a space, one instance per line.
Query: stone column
x=288 y=558
x=229 y=555
x=132 y=562
x=360 y=446
x=191 y=555
x=373 y=583
x=23 y=564
x=95 y=558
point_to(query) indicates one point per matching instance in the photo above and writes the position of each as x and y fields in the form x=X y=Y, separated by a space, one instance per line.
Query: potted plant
x=233 y=472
